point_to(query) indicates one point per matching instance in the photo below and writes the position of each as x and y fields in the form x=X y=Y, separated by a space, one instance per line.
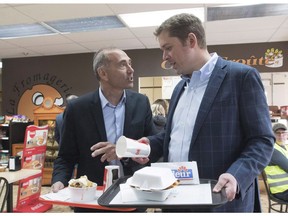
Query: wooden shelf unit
x=46 y=115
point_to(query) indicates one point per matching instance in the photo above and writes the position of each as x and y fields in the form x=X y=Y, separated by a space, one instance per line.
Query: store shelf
x=13 y=132
x=47 y=116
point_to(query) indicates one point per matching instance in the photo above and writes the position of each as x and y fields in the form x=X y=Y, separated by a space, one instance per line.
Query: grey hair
x=101 y=59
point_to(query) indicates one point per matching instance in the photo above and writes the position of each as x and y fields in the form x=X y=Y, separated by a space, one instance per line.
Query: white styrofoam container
x=159 y=195
x=152 y=178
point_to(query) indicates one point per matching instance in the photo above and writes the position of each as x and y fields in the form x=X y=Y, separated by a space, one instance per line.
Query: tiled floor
x=58 y=208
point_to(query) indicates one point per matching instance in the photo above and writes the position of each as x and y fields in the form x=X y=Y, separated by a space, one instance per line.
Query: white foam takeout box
x=152 y=183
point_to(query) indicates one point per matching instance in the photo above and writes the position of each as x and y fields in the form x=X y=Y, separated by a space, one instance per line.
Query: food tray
x=106 y=199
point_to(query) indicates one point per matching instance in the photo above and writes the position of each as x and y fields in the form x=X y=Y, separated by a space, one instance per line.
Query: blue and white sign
x=185 y=172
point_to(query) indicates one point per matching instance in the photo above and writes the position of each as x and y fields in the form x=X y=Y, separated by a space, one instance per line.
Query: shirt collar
x=206 y=70
x=105 y=102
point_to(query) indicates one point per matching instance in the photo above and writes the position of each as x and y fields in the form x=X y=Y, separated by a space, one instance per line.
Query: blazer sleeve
x=258 y=135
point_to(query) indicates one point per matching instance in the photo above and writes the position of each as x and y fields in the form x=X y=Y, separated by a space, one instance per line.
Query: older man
x=93 y=122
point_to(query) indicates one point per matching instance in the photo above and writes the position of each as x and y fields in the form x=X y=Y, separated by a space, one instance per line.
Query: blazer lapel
x=97 y=112
x=216 y=79
x=129 y=106
x=177 y=92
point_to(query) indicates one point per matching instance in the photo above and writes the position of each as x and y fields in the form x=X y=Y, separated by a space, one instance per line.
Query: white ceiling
x=233 y=31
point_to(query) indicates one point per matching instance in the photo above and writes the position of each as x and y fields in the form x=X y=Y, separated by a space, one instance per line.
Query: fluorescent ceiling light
x=86 y=24
x=237 y=5
x=60 y=27
x=155 y=18
x=244 y=11
x=23 y=30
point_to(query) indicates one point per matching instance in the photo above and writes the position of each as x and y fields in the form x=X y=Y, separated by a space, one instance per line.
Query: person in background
x=58 y=126
x=164 y=103
x=277 y=170
x=159 y=116
x=218 y=116
x=94 y=122
x=59 y=120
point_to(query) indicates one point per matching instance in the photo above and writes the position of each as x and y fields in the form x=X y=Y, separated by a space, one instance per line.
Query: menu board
x=33 y=157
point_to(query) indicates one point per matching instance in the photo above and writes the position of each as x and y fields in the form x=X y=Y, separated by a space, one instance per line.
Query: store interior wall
x=73 y=74
x=275 y=85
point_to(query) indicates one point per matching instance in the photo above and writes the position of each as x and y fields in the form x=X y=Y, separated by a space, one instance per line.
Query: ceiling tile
x=58 y=49
x=246 y=30
x=18 y=52
x=150 y=42
x=36 y=41
x=100 y=35
x=240 y=37
x=49 y=12
x=280 y=35
x=122 y=44
x=134 y=8
x=144 y=31
x=244 y=24
x=9 y=16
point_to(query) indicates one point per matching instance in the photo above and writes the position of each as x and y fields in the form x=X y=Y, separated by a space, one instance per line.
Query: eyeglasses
x=281 y=133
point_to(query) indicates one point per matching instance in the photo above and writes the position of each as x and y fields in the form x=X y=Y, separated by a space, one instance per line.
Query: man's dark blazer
x=232 y=132
x=83 y=126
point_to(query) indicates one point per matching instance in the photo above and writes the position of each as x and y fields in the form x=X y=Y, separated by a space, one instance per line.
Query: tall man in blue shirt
x=93 y=122
x=218 y=116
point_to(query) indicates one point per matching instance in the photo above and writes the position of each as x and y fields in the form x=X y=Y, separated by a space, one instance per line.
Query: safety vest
x=277 y=178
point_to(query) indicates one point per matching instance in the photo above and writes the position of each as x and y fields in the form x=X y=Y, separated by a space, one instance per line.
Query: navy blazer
x=83 y=126
x=232 y=131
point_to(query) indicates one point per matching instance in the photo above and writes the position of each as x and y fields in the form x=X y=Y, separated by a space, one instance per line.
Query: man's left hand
x=227 y=181
x=105 y=148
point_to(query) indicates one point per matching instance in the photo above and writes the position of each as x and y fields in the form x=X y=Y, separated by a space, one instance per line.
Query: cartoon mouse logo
x=33 y=98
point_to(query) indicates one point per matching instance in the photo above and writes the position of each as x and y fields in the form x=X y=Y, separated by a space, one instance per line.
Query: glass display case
x=52 y=145
x=10 y=133
x=4 y=144
x=46 y=115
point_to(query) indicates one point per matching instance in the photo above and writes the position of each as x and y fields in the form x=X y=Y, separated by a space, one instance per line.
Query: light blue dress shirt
x=114 y=117
x=186 y=111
